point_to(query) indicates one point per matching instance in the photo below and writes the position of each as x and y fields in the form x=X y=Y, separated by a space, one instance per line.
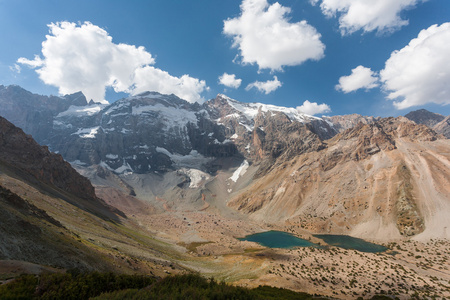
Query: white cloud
x=312 y=108
x=84 y=58
x=36 y=62
x=265 y=36
x=230 y=80
x=265 y=87
x=16 y=68
x=368 y=15
x=149 y=78
x=420 y=72
x=361 y=77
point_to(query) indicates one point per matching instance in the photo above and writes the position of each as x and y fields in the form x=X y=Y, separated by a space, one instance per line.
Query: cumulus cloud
x=265 y=87
x=264 y=35
x=312 y=108
x=380 y=15
x=230 y=80
x=360 y=78
x=84 y=58
x=420 y=72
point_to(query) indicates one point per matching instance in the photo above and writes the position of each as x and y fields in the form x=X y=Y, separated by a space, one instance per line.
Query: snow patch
x=235 y=115
x=78 y=163
x=62 y=124
x=171 y=116
x=87 y=133
x=248 y=148
x=125 y=131
x=240 y=171
x=81 y=111
x=118 y=105
x=196 y=177
x=125 y=169
x=250 y=110
x=226 y=141
x=249 y=128
x=192 y=160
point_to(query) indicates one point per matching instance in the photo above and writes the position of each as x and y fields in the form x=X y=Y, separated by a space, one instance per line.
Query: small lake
x=281 y=239
x=278 y=239
x=348 y=242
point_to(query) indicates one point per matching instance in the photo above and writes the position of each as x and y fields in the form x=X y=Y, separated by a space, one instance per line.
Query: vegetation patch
x=409 y=221
x=192 y=247
x=72 y=285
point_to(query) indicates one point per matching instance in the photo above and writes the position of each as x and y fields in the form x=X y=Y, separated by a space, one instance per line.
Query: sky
x=323 y=57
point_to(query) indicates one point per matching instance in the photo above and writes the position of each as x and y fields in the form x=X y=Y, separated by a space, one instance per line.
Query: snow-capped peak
x=250 y=110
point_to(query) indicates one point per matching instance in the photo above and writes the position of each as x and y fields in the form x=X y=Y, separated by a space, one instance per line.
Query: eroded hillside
x=385 y=180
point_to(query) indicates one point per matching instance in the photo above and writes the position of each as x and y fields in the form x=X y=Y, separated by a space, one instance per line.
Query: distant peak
x=149 y=93
x=223 y=96
x=423 y=116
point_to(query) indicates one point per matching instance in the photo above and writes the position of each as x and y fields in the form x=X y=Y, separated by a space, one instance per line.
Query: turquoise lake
x=278 y=239
x=348 y=242
x=281 y=239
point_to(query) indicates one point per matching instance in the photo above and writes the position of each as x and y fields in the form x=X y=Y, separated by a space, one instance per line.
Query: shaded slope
x=22 y=157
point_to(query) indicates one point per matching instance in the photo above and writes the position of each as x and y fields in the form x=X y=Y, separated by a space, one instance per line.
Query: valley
x=173 y=186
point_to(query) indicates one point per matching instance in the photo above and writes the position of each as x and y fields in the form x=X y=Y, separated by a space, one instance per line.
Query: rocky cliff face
x=341 y=123
x=443 y=127
x=368 y=180
x=34 y=113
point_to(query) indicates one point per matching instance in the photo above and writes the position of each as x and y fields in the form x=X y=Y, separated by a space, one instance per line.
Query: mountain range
x=151 y=136
x=163 y=182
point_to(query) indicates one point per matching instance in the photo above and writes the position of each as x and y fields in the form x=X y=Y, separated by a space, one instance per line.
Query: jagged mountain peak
x=251 y=110
x=76 y=99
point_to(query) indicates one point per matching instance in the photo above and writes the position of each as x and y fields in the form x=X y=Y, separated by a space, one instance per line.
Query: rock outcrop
x=342 y=123
x=443 y=127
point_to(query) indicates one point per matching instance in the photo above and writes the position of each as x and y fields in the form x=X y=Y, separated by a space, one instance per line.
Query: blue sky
x=284 y=52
